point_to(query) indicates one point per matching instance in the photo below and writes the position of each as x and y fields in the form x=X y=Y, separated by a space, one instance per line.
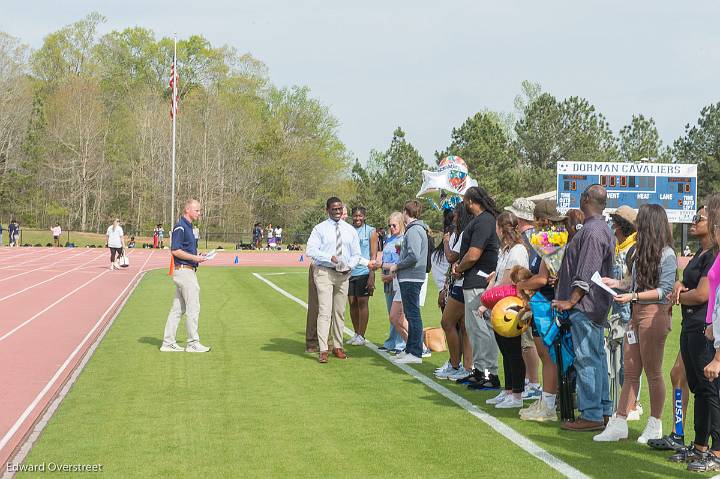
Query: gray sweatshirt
x=668 y=267
x=413 y=254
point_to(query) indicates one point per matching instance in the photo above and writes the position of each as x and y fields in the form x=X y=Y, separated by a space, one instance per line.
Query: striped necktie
x=338 y=241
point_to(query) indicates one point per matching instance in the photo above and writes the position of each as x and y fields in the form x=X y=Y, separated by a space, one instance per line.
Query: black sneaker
x=475 y=377
x=671 y=442
x=707 y=462
x=686 y=454
x=489 y=382
x=382 y=348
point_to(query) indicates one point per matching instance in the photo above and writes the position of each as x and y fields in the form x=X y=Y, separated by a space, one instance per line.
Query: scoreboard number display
x=672 y=186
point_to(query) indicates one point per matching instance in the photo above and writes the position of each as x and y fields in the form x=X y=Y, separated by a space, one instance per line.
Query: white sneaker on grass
x=500 y=397
x=653 y=430
x=360 y=341
x=408 y=359
x=351 y=341
x=460 y=374
x=445 y=373
x=399 y=355
x=510 y=402
x=531 y=392
x=445 y=366
x=635 y=414
x=615 y=430
x=540 y=411
x=196 y=347
x=171 y=348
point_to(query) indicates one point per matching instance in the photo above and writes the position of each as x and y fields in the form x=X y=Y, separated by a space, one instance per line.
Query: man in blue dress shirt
x=334 y=247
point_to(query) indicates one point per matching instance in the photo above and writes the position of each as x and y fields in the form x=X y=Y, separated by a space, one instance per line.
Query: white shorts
x=423 y=291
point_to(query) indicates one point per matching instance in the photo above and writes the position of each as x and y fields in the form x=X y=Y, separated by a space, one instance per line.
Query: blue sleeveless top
x=364 y=233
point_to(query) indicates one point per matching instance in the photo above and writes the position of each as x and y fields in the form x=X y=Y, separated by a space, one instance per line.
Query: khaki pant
x=332 y=288
x=187 y=301
x=311 y=339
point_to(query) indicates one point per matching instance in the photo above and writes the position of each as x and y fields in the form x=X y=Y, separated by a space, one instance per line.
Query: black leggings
x=113 y=252
x=696 y=353
x=513 y=364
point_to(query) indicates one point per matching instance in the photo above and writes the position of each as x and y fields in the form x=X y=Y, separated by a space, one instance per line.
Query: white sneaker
x=351 y=341
x=426 y=353
x=445 y=373
x=360 y=341
x=408 y=359
x=112 y=266
x=531 y=392
x=635 y=414
x=615 y=430
x=500 y=397
x=196 y=347
x=532 y=407
x=510 y=402
x=460 y=374
x=445 y=366
x=653 y=430
x=541 y=413
x=171 y=348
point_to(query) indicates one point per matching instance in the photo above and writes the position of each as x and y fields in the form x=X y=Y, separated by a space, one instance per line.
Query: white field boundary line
x=50 y=279
x=512 y=435
x=37 y=269
x=34 y=257
x=71 y=380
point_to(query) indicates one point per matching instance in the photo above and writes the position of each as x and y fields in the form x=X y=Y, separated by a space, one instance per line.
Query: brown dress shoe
x=581 y=425
x=339 y=353
x=312 y=349
x=323 y=357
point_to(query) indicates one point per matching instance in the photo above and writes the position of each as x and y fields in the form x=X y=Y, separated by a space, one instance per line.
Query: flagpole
x=174 y=120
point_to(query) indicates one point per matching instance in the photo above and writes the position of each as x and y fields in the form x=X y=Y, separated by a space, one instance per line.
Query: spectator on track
x=187 y=289
x=278 y=235
x=161 y=235
x=13 y=233
x=131 y=244
x=116 y=243
x=1 y=232
x=56 y=232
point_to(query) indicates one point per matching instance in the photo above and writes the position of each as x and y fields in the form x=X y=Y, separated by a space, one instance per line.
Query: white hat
x=523 y=208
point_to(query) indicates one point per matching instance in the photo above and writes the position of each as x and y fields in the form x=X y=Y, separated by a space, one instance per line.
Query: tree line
x=85 y=137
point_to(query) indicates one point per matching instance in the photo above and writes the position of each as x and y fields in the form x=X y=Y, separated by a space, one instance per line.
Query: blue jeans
x=593 y=386
x=410 y=292
x=394 y=340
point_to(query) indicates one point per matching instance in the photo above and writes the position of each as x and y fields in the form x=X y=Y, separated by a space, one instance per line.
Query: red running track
x=55 y=303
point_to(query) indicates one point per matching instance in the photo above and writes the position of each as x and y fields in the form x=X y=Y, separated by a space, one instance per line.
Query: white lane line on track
x=9 y=434
x=34 y=257
x=39 y=268
x=512 y=435
x=24 y=260
x=50 y=279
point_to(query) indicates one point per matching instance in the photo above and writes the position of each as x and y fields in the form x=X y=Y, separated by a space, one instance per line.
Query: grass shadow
x=287 y=346
x=156 y=342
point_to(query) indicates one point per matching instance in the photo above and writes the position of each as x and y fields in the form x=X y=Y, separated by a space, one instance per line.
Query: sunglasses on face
x=392 y=226
x=698 y=218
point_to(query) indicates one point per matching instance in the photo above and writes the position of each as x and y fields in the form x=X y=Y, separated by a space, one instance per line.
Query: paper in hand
x=482 y=274
x=210 y=255
x=597 y=279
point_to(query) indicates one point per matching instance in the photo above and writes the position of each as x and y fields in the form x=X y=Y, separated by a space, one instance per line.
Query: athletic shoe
x=196 y=347
x=615 y=430
x=351 y=341
x=408 y=359
x=498 y=399
x=541 y=413
x=653 y=430
x=359 y=341
x=635 y=414
x=426 y=353
x=531 y=392
x=531 y=408
x=171 y=348
x=447 y=365
x=445 y=373
x=396 y=352
x=671 y=442
x=686 y=454
x=708 y=462
x=383 y=348
x=400 y=355
x=112 y=266
x=489 y=382
x=460 y=374
x=510 y=402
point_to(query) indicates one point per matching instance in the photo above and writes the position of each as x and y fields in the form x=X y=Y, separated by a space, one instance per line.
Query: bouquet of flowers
x=550 y=244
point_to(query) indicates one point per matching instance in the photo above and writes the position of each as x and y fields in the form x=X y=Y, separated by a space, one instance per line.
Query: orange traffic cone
x=172 y=265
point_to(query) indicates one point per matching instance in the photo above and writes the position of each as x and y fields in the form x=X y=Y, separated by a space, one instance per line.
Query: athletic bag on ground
x=124 y=260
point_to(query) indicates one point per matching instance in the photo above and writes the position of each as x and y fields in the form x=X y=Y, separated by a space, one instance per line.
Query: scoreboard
x=672 y=186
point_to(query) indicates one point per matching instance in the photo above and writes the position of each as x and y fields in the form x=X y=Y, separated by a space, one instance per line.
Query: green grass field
x=258 y=406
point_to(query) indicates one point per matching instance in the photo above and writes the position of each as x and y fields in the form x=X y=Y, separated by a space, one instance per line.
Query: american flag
x=174 y=86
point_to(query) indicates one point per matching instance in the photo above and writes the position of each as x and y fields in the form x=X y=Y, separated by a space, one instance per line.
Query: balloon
x=505 y=318
x=491 y=296
x=446 y=185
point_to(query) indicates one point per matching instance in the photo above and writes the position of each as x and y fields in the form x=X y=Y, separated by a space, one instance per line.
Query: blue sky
x=427 y=66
